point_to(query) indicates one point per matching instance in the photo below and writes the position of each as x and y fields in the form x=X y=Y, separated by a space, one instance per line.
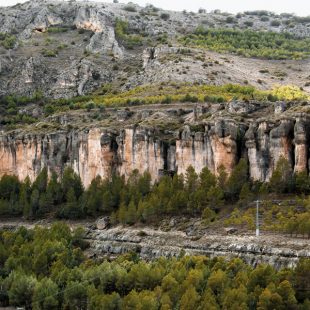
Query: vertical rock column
x=301 y=141
x=96 y=155
x=21 y=157
x=140 y=149
x=257 y=144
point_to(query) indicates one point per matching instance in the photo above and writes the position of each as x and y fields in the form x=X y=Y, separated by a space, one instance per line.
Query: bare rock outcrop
x=101 y=151
x=278 y=251
x=55 y=37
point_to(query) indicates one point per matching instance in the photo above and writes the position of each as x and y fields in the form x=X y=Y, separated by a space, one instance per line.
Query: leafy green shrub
x=230 y=20
x=7 y=41
x=214 y=99
x=49 y=53
x=189 y=98
x=164 y=16
x=130 y=8
x=55 y=29
x=248 y=23
x=275 y=23
x=264 y=18
x=302 y=20
x=122 y=33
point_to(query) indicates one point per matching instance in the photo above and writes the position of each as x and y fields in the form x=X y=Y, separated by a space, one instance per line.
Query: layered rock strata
x=278 y=251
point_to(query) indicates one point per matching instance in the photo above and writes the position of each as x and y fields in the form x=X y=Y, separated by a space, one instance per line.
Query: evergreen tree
x=9 y=187
x=190 y=299
x=287 y=294
x=235 y=299
x=208 y=215
x=215 y=197
x=34 y=203
x=269 y=300
x=209 y=301
x=24 y=197
x=41 y=181
x=53 y=191
x=122 y=213
x=94 y=197
x=71 y=180
x=222 y=177
x=245 y=195
x=144 y=183
x=21 y=289
x=45 y=295
x=302 y=182
x=207 y=179
x=301 y=280
x=71 y=208
x=191 y=178
x=237 y=179
x=131 y=216
x=75 y=296
x=281 y=180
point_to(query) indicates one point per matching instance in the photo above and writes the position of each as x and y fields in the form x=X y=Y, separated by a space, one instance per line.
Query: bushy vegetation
x=130 y=40
x=10 y=105
x=249 y=43
x=289 y=93
x=46 y=269
x=292 y=216
x=165 y=16
x=130 y=7
x=58 y=29
x=168 y=93
x=7 y=41
x=176 y=93
x=49 y=53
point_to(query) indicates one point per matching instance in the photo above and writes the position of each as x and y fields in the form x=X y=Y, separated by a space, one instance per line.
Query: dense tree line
x=46 y=269
x=137 y=199
x=249 y=43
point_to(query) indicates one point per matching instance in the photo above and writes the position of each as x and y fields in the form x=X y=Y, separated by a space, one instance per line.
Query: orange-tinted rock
x=100 y=151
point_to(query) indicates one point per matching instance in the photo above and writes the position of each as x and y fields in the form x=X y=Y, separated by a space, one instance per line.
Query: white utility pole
x=257 y=218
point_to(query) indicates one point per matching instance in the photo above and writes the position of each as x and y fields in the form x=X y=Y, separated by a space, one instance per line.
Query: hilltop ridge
x=65 y=49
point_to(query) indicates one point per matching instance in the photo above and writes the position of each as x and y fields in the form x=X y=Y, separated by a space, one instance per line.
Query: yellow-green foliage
x=289 y=92
x=46 y=269
x=153 y=94
x=177 y=93
x=237 y=217
x=282 y=218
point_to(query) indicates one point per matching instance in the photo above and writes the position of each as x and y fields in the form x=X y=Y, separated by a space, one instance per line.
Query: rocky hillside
x=63 y=49
x=161 y=139
x=68 y=48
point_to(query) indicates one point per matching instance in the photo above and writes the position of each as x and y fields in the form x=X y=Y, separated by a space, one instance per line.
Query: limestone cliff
x=100 y=150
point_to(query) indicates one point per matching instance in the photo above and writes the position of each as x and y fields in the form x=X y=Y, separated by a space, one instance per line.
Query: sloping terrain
x=65 y=49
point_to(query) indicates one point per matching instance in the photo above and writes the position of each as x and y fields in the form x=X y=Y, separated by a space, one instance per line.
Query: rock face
x=278 y=251
x=100 y=151
x=88 y=49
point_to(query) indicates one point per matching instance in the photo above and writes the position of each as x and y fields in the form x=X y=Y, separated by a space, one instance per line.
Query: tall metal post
x=257 y=218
